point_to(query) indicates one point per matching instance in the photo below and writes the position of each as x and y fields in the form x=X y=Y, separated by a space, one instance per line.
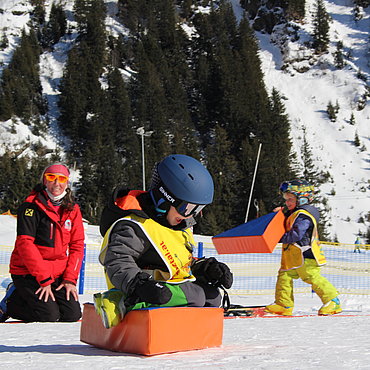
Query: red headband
x=56 y=168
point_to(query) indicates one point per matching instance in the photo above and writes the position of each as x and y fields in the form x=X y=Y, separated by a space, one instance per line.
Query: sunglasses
x=53 y=176
x=187 y=209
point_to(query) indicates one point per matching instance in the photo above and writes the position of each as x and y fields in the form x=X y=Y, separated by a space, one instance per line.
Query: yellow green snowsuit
x=294 y=265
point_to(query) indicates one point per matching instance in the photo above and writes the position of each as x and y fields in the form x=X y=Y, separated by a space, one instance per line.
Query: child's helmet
x=302 y=189
x=182 y=182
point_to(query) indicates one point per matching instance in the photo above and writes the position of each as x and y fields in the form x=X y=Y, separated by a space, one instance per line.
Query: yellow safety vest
x=292 y=254
x=173 y=246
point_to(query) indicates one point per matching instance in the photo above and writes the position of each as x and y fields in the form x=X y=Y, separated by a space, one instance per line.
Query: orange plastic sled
x=257 y=236
x=157 y=330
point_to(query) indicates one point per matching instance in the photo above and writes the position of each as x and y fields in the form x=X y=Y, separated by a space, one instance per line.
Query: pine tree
x=362 y=3
x=186 y=10
x=56 y=26
x=150 y=105
x=224 y=212
x=321 y=27
x=368 y=235
x=73 y=101
x=352 y=120
x=277 y=158
x=131 y=11
x=254 y=100
x=38 y=14
x=337 y=107
x=21 y=92
x=163 y=46
x=332 y=112
x=81 y=91
x=4 y=41
x=89 y=196
x=309 y=172
x=6 y=95
x=12 y=188
x=231 y=90
x=18 y=176
x=312 y=176
x=338 y=56
x=90 y=15
x=357 y=140
x=101 y=165
x=124 y=141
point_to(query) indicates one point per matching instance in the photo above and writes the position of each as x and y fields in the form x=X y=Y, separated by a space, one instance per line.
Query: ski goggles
x=53 y=176
x=187 y=209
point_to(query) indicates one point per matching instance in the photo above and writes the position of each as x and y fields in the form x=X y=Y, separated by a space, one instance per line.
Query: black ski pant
x=24 y=304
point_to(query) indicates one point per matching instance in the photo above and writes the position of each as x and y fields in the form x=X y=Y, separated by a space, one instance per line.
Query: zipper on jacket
x=76 y=265
x=51 y=230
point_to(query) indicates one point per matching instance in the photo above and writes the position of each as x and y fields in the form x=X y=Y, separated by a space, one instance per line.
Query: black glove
x=213 y=272
x=154 y=292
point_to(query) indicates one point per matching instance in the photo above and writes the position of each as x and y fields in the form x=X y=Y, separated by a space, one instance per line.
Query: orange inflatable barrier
x=154 y=331
x=257 y=236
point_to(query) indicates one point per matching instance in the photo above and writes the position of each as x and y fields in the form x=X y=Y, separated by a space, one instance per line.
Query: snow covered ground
x=248 y=343
x=339 y=342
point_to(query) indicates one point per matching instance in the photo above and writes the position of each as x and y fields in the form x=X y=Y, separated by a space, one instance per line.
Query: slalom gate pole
x=254 y=177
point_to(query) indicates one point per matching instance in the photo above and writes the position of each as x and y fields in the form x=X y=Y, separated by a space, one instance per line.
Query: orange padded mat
x=157 y=330
x=257 y=236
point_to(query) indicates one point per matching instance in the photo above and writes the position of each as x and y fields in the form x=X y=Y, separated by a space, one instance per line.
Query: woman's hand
x=70 y=289
x=277 y=209
x=45 y=292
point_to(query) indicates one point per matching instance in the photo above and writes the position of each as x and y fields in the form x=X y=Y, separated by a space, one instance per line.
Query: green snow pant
x=187 y=294
x=310 y=274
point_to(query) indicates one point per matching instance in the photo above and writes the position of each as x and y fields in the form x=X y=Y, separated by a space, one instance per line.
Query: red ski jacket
x=48 y=245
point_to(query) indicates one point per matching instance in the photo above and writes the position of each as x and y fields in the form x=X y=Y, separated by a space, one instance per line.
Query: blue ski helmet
x=302 y=189
x=182 y=182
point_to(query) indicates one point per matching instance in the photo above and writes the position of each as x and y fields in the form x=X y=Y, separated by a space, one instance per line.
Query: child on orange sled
x=302 y=255
x=148 y=244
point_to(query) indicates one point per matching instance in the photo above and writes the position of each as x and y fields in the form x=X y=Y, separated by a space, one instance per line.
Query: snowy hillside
x=306 y=96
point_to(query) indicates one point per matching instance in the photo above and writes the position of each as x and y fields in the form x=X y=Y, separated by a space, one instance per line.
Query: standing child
x=148 y=244
x=302 y=255
x=357 y=245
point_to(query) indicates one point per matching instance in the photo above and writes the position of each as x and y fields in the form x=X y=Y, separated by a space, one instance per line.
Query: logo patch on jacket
x=29 y=212
x=68 y=225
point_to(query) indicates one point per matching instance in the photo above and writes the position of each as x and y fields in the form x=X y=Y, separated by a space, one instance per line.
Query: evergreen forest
x=201 y=95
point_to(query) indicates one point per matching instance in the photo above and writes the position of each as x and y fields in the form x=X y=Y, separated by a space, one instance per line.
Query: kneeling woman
x=48 y=253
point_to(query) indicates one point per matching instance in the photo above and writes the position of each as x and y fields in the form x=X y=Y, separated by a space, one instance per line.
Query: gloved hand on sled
x=211 y=271
x=152 y=291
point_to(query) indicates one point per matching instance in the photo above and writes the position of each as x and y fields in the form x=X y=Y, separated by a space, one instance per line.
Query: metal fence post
x=81 y=281
x=200 y=249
